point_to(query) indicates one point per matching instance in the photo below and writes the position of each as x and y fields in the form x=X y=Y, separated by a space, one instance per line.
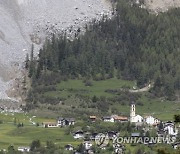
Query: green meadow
x=159 y=108
x=74 y=87
x=164 y=110
x=10 y=134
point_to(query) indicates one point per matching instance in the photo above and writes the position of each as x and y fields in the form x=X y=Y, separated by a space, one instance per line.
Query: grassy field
x=163 y=110
x=11 y=135
x=74 y=87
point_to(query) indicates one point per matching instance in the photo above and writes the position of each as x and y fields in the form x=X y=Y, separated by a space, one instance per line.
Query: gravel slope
x=25 y=21
x=161 y=5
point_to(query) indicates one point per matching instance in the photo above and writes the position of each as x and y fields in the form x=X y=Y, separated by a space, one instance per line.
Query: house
x=118 y=151
x=176 y=145
x=92 y=118
x=138 y=119
x=160 y=133
x=151 y=120
x=65 y=121
x=69 y=121
x=69 y=147
x=87 y=145
x=61 y=121
x=135 y=134
x=108 y=119
x=120 y=119
x=93 y=136
x=78 y=135
x=90 y=151
x=50 y=124
x=170 y=129
x=24 y=149
x=112 y=134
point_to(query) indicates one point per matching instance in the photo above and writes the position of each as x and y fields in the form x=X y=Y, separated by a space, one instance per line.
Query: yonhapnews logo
x=102 y=140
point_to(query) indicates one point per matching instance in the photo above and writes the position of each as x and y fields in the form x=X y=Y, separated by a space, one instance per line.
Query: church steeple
x=132 y=112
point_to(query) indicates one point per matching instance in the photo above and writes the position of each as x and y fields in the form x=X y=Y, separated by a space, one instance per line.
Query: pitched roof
x=92 y=117
x=49 y=123
x=106 y=117
x=120 y=118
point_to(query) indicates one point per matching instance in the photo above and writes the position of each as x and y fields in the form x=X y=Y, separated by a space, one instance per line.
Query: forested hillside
x=133 y=45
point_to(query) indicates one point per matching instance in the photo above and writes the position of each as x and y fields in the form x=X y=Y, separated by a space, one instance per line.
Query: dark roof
x=68 y=146
x=68 y=119
x=79 y=132
x=112 y=132
x=135 y=134
x=106 y=117
x=60 y=118
x=177 y=143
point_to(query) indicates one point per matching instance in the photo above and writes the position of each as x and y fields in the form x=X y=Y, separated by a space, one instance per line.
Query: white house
x=87 y=145
x=78 y=135
x=69 y=147
x=24 y=149
x=176 y=145
x=65 y=121
x=138 y=118
x=50 y=124
x=108 y=119
x=170 y=128
x=151 y=120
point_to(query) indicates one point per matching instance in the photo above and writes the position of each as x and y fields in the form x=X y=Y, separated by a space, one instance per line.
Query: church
x=133 y=117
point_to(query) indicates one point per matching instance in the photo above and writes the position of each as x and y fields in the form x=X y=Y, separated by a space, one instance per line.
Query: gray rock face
x=23 y=22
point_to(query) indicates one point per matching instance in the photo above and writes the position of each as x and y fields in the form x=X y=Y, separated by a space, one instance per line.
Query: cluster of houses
x=89 y=139
x=60 y=122
x=163 y=128
x=133 y=118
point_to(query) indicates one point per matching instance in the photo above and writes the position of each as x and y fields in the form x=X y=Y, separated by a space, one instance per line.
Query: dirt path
x=142 y=89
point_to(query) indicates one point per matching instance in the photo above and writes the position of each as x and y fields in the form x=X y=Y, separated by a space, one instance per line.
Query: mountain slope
x=24 y=22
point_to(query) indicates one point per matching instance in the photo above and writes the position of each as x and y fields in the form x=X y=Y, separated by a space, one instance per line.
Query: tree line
x=133 y=45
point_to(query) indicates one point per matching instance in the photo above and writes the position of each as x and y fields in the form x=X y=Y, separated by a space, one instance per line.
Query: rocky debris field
x=23 y=22
x=161 y=5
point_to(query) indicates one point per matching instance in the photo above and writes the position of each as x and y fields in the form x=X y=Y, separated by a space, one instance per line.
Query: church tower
x=132 y=112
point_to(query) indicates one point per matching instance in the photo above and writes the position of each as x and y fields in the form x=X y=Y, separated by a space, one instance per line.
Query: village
x=142 y=125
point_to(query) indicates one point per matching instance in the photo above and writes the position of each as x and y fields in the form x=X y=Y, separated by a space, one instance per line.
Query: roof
x=70 y=119
x=79 y=132
x=135 y=134
x=67 y=119
x=106 y=117
x=177 y=143
x=92 y=117
x=23 y=147
x=120 y=118
x=46 y=123
x=60 y=118
x=68 y=146
x=88 y=142
x=139 y=116
x=149 y=116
